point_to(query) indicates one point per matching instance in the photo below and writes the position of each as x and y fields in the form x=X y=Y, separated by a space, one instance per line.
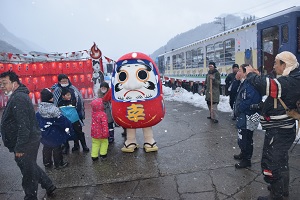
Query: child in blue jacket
x=55 y=130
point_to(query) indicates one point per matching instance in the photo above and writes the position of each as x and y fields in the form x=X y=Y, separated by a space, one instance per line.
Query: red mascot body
x=137 y=100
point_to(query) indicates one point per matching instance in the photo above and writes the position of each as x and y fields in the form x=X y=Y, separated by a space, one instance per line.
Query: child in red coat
x=99 y=130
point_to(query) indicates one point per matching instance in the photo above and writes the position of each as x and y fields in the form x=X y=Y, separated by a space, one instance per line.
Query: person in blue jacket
x=55 y=129
x=247 y=118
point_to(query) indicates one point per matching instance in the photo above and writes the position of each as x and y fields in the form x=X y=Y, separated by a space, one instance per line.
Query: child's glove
x=67 y=130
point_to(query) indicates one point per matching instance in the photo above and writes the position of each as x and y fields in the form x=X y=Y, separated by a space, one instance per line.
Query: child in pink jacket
x=99 y=130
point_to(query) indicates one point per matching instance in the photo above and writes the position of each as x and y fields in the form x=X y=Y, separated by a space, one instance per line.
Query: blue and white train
x=256 y=43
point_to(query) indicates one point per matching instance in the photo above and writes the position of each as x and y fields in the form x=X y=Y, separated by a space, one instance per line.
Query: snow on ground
x=197 y=100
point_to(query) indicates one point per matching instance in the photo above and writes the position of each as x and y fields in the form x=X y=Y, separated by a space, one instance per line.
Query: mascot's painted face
x=135 y=80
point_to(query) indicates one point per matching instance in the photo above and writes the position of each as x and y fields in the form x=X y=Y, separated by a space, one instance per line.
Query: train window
x=194 y=58
x=270 y=45
x=168 y=63
x=284 y=34
x=182 y=58
x=229 y=54
x=219 y=49
x=200 y=57
x=174 y=62
x=210 y=53
x=188 y=56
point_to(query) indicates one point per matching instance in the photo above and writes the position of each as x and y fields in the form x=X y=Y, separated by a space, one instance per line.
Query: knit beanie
x=235 y=65
x=290 y=60
x=46 y=95
x=212 y=63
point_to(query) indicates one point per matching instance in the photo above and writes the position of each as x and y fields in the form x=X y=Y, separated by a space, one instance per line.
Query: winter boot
x=76 y=145
x=111 y=137
x=238 y=156
x=103 y=157
x=277 y=189
x=243 y=164
x=61 y=165
x=83 y=144
x=286 y=179
x=95 y=158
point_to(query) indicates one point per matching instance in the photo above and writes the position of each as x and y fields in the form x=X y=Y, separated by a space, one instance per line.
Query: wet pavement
x=194 y=161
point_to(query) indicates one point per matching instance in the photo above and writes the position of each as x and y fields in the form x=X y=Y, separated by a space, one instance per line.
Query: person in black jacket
x=280 y=128
x=21 y=135
x=230 y=78
x=231 y=86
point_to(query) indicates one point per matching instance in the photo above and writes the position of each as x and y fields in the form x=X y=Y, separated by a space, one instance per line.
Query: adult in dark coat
x=231 y=85
x=21 y=135
x=280 y=128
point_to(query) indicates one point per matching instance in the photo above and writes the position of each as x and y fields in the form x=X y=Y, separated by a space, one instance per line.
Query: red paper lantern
x=54 y=79
x=33 y=67
x=35 y=81
x=37 y=95
x=30 y=95
x=89 y=77
x=9 y=66
x=59 y=68
x=53 y=66
x=90 y=91
x=75 y=79
x=81 y=77
x=83 y=90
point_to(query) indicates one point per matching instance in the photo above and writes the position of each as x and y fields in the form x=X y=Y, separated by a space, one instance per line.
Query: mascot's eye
x=123 y=76
x=142 y=75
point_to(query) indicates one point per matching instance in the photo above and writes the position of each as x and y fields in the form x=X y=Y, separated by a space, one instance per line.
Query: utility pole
x=221 y=20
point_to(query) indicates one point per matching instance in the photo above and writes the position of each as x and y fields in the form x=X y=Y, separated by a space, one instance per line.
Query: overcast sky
x=118 y=26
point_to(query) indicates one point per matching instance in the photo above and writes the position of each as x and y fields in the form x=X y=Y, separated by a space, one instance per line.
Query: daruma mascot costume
x=137 y=100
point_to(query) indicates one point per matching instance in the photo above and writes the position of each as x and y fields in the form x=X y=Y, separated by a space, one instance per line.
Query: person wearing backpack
x=280 y=128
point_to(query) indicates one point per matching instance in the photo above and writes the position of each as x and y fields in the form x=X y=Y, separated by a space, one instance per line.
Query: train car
x=276 y=33
x=255 y=43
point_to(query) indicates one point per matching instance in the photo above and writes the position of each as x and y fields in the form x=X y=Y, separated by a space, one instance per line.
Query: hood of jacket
x=97 y=105
x=48 y=110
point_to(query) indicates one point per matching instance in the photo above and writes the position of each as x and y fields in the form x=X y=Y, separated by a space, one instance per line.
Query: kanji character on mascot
x=137 y=100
